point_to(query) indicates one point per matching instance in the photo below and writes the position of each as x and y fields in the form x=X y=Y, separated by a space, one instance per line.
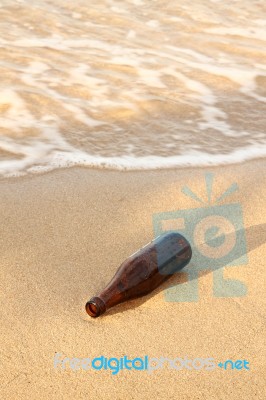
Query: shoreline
x=252 y=162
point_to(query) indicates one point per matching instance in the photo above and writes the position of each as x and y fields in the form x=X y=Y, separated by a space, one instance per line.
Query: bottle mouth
x=95 y=307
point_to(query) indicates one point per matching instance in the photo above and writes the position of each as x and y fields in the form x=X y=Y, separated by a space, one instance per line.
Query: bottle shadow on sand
x=255 y=236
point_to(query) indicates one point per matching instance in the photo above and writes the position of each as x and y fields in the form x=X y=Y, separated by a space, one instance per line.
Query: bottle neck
x=95 y=307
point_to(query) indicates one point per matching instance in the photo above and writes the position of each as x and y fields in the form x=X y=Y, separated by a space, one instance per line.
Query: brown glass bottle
x=143 y=271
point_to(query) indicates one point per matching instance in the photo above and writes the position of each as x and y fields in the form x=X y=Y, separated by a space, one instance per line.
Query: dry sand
x=63 y=235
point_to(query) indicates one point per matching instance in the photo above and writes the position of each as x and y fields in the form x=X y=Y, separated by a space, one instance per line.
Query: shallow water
x=131 y=84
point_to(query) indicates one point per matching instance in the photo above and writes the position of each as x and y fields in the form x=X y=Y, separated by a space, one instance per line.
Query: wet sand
x=63 y=235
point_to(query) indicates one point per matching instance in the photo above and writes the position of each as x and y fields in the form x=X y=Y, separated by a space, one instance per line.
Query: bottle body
x=143 y=271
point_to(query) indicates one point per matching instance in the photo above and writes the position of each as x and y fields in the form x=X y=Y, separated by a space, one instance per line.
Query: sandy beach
x=120 y=121
x=64 y=234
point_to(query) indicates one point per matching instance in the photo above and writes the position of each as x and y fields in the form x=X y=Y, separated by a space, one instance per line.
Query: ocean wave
x=139 y=85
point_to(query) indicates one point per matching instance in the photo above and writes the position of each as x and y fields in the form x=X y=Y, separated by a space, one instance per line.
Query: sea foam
x=135 y=86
